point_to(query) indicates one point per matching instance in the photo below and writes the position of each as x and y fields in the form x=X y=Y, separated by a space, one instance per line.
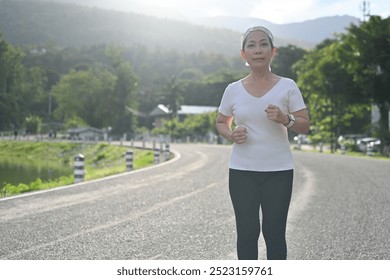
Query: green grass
x=101 y=160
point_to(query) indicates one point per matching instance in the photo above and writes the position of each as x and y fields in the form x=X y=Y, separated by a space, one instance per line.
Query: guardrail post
x=79 y=168
x=156 y=156
x=321 y=147
x=129 y=160
x=370 y=150
x=167 y=152
x=343 y=149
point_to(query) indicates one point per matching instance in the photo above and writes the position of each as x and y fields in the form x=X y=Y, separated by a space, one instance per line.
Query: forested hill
x=38 y=22
x=68 y=25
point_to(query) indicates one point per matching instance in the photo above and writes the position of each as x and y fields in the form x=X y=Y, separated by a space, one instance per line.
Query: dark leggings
x=250 y=190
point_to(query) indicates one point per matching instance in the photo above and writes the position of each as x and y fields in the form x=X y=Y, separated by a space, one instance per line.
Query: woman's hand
x=224 y=124
x=302 y=121
x=274 y=114
x=239 y=134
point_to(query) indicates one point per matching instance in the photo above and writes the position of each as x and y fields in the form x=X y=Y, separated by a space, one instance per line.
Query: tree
x=33 y=124
x=35 y=93
x=11 y=70
x=208 y=90
x=124 y=100
x=333 y=99
x=173 y=96
x=101 y=96
x=366 y=53
x=284 y=60
x=194 y=126
x=86 y=94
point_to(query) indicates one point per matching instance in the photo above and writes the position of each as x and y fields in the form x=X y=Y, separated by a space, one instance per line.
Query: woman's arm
x=224 y=126
x=302 y=122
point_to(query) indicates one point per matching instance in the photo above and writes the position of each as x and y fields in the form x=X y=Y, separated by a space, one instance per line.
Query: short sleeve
x=295 y=99
x=225 y=106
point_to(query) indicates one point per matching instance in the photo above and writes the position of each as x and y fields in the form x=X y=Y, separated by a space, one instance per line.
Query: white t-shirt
x=267 y=147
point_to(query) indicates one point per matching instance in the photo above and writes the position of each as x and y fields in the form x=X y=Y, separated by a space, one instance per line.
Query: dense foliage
x=342 y=78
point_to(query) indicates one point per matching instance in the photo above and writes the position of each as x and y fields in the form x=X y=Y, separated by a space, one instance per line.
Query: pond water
x=16 y=172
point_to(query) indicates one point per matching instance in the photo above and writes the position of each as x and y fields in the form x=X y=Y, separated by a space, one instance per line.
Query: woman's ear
x=243 y=55
x=273 y=52
x=244 y=58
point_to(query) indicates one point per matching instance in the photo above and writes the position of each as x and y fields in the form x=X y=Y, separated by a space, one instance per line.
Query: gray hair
x=257 y=28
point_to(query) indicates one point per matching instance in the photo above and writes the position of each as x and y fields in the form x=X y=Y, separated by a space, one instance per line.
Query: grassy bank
x=100 y=160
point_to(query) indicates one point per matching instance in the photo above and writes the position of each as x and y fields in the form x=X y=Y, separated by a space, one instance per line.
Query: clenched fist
x=239 y=134
x=274 y=114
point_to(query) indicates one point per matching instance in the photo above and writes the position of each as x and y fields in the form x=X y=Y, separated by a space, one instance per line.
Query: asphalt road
x=181 y=210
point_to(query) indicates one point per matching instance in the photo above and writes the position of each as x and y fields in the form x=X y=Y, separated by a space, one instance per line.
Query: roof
x=195 y=110
x=160 y=110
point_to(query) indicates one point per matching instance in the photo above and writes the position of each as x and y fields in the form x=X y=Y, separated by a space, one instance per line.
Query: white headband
x=257 y=28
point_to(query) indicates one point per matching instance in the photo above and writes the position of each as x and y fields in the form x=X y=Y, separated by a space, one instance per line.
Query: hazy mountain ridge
x=310 y=31
x=307 y=32
x=69 y=25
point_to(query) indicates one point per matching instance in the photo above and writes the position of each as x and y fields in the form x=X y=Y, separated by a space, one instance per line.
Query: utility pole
x=365 y=9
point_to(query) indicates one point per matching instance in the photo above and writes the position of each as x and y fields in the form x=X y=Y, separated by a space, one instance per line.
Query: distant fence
x=210 y=138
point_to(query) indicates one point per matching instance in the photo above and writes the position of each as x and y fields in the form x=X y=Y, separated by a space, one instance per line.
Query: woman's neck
x=261 y=75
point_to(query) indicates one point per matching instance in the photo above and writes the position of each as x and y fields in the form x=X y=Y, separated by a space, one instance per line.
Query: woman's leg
x=246 y=203
x=275 y=202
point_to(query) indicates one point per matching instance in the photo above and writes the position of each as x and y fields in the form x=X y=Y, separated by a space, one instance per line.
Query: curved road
x=181 y=210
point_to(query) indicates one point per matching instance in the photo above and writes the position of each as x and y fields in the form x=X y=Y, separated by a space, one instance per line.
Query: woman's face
x=258 y=50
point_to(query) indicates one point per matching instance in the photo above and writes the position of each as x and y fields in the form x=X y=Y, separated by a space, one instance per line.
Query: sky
x=275 y=11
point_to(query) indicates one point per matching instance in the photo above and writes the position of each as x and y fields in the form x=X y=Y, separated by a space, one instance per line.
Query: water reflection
x=17 y=171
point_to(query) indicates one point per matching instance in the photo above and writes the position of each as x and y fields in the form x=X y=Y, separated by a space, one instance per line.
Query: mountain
x=306 y=33
x=69 y=25
x=24 y=22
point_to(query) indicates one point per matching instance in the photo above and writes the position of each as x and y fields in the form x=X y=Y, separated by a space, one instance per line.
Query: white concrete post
x=79 y=168
x=129 y=160
x=321 y=147
x=156 y=156
x=343 y=149
x=370 y=150
x=167 y=152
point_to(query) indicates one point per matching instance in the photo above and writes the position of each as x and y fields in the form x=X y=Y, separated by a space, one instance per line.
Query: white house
x=159 y=113
x=195 y=110
x=85 y=134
